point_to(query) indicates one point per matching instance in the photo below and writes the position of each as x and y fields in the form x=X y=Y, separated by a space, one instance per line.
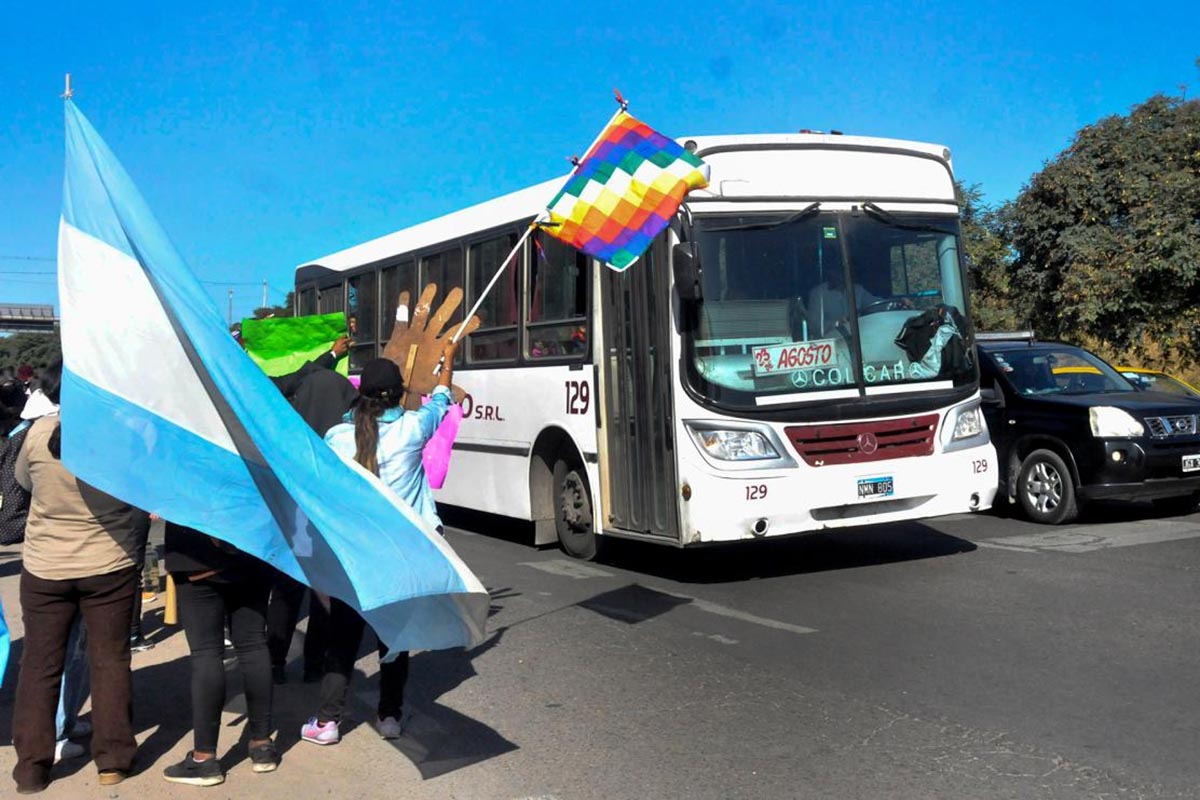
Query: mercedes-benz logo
x=867 y=443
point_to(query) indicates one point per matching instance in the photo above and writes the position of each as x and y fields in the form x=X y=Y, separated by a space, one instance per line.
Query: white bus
x=725 y=387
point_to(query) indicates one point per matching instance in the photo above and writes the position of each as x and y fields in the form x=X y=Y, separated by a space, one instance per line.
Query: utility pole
x=230 y=317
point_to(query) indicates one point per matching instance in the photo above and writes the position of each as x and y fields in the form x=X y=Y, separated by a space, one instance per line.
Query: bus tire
x=573 y=518
x=1045 y=488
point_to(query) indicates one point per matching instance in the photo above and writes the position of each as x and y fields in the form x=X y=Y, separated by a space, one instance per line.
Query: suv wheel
x=1045 y=489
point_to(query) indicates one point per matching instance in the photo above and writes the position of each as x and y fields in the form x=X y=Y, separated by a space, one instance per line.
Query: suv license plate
x=883 y=487
x=1191 y=463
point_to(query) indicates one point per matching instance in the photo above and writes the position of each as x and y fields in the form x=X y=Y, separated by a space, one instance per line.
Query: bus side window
x=396 y=279
x=360 y=317
x=446 y=270
x=307 y=304
x=557 y=317
x=496 y=338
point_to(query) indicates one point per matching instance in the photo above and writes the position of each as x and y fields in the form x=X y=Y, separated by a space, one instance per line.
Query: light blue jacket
x=402 y=437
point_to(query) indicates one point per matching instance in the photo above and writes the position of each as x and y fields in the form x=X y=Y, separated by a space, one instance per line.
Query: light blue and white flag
x=162 y=409
x=3 y=645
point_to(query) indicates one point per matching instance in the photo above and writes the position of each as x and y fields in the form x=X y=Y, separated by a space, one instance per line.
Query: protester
x=215 y=582
x=26 y=376
x=75 y=689
x=321 y=397
x=78 y=559
x=387 y=441
x=12 y=403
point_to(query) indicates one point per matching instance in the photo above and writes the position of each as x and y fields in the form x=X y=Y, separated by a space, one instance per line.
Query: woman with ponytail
x=387 y=441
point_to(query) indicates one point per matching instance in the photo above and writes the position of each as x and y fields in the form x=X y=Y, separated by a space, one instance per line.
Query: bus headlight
x=736 y=445
x=1109 y=422
x=968 y=424
x=964 y=427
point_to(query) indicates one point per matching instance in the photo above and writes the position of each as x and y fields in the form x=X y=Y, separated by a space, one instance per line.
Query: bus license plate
x=1191 y=463
x=878 y=487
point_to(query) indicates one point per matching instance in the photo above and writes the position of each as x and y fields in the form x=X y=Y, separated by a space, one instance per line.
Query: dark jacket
x=322 y=397
x=189 y=550
x=288 y=384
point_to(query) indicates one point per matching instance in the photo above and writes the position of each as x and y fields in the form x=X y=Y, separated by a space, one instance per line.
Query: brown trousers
x=47 y=608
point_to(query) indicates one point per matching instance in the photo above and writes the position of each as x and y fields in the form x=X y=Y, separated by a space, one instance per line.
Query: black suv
x=1068 y=428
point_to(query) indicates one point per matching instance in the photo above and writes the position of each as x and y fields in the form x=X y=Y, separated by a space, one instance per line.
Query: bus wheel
x=1045 y=489
x=573 y=510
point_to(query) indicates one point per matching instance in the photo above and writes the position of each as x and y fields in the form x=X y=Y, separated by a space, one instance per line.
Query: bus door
x=636 y=314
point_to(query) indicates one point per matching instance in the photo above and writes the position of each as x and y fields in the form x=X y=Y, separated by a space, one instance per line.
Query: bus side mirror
x=686 y=264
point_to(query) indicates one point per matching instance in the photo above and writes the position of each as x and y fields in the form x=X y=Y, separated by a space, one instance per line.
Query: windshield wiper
x=770 y=226
x=887 y=219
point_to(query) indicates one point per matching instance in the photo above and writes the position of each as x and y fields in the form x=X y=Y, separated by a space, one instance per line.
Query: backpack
x=14 y=500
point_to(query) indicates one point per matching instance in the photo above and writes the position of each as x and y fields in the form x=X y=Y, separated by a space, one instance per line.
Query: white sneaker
x=82 y=730
x=65 y=749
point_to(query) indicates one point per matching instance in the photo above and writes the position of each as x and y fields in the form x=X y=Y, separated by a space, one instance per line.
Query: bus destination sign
x=794 y=357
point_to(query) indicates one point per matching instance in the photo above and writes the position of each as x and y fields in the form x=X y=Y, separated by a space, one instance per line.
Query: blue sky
x=265 y=135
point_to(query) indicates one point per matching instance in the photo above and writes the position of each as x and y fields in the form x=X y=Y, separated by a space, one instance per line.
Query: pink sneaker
x=317 y=733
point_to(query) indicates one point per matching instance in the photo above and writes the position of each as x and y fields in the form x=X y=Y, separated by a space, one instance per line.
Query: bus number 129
x=579 y=396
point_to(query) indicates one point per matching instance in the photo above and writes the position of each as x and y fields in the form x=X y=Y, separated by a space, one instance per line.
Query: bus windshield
x=804 y=303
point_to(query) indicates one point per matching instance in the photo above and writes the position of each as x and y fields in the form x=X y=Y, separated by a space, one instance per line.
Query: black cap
x=381 y=378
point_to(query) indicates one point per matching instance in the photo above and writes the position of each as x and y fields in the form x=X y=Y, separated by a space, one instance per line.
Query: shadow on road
x=739 y=561
x=438 y=739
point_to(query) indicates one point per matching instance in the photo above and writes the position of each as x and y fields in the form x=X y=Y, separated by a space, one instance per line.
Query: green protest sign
x=280 y=345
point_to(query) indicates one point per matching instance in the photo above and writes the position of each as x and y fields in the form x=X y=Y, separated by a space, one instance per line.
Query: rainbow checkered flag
x=623 y=192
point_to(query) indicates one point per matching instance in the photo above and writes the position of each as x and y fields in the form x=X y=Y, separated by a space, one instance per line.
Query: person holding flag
x=387 y=441
x=258 y=478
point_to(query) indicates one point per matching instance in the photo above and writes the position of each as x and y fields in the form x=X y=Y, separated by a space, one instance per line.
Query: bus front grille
x=858 y=442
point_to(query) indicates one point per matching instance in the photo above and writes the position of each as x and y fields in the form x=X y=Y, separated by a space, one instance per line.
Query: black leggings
x=346 y=629
x=204 y=606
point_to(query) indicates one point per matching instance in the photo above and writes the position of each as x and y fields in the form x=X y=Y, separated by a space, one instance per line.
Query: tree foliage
x=284 y=310
x=1107 y=235
x=35 y=349
x=989 y=256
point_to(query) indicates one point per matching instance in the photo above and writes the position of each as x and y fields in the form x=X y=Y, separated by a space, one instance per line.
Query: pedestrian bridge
x=23 y=318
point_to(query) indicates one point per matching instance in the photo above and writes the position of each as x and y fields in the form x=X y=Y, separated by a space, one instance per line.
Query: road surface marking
x=1088 y=538
x=995 y=546
x=568 y=569
x=716 y=637
x=733 y=613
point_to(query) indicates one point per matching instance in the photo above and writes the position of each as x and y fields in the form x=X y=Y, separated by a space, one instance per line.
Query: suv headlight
x=968 y=424
x=736 y=445
x=1108 y=422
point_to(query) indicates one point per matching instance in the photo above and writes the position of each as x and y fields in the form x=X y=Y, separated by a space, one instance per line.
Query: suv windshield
x=1057 y=370
x=778 y=321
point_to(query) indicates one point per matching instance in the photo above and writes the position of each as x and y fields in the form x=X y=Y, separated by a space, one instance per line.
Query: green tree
x=36 y=349
x=284 y=310
x=989 y=255
x=1107 y=235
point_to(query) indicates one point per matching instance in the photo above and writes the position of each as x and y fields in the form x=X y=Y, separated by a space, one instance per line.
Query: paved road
x=969 y=657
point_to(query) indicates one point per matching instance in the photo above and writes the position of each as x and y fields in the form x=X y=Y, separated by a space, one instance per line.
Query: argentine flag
x=162 y=409
x=3 y=645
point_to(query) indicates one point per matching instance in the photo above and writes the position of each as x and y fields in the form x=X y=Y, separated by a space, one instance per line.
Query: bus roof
x=527 y=203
